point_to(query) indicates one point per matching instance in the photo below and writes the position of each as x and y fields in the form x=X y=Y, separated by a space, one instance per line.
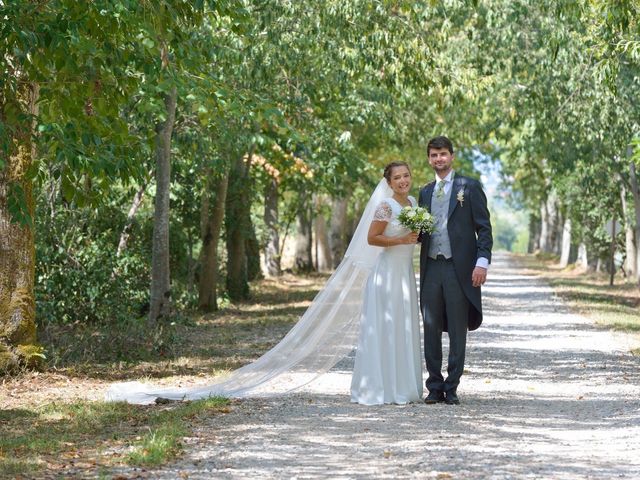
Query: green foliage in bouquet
x=417 y=219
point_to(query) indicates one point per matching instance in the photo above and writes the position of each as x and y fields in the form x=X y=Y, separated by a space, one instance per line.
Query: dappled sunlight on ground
x=546 y=394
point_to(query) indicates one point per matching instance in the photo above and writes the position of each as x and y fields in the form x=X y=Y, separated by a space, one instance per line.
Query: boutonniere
x=460 y=196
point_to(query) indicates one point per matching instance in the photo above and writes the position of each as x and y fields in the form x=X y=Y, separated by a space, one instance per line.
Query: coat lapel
x=428 y=193
x=455 y=188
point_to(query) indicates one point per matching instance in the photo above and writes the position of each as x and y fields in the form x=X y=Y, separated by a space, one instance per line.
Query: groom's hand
x=479 y=276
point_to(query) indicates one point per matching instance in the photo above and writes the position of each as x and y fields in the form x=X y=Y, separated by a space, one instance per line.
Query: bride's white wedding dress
x=325 y=334
x=388 y=365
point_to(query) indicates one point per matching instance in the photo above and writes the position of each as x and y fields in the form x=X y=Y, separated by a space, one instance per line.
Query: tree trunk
x=237 y=224
x=598 y=265
x=583 y=259
x=631 y=261
x=635 y=190
x=17 y=249
x=566 y=243
x=210 y=227
x=160 y=295
x=254 y=271
x=544 y=227
x=323 y=250
x=192 y=264
x=272 y=248
x=303 y=261
x=338 y=230
x=553 y=220
x=534 y=234
x=559 y=232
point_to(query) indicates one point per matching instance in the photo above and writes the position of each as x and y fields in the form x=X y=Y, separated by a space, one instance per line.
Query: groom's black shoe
x=435 y=396
x=451 y=398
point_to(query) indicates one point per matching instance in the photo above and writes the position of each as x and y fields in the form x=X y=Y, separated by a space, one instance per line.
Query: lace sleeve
x=382 y=213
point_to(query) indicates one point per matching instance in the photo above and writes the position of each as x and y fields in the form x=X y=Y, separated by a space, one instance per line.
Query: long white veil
x=326 y=333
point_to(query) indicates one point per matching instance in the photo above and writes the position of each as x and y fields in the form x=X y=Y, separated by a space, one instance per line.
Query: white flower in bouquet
x=417 y=219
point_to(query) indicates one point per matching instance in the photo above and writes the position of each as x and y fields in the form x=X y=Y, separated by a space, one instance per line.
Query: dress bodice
x=388 y=211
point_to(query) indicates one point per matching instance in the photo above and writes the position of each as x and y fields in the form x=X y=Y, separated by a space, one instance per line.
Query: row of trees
x=568 y=143
x=153 y=151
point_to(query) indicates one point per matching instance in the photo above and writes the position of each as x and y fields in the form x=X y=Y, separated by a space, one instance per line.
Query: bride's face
x=400 y=181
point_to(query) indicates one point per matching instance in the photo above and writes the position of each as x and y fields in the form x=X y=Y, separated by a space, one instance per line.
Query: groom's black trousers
x=442 y=296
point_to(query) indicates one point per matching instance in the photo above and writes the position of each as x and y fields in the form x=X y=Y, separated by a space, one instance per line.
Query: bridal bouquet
x=417 y=219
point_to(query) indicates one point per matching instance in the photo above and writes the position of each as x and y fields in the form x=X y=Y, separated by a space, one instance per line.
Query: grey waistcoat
x=439 y=243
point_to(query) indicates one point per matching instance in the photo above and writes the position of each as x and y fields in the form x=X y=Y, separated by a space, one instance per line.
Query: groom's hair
x=440 y=142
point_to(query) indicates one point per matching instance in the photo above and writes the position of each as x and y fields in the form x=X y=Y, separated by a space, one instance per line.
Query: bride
x=373 y=288
x=388 y=368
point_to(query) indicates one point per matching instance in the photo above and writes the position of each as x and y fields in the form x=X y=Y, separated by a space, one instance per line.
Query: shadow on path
x=545 y=395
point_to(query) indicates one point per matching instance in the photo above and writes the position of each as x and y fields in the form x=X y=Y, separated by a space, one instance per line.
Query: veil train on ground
x=325 y=334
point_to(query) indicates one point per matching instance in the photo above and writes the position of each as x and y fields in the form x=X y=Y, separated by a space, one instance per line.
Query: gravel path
x=545 y=395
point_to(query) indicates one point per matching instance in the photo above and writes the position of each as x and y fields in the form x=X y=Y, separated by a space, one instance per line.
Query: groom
x=453 y=265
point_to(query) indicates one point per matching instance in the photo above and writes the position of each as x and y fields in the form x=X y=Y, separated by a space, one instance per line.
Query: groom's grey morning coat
x=470 y=237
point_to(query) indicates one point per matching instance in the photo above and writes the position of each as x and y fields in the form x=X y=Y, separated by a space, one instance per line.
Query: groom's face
x=441 y=161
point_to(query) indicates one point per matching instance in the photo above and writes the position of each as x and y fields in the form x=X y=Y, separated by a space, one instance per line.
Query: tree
x=211 y=225
x=67 y=80
x=17 y=305
x=159 y=304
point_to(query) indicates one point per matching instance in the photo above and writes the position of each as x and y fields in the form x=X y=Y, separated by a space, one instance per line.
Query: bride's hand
x=410 y=238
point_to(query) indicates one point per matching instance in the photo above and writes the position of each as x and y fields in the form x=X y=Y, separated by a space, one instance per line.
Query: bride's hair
x=389 y=168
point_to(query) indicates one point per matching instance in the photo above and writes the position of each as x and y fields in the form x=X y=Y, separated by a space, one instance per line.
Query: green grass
x=59 y=434
x=87 y=439
x=614 y=307
x=167 y=428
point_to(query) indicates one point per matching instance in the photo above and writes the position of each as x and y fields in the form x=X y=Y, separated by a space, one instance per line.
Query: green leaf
x=18 y=207
x=68 y=188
